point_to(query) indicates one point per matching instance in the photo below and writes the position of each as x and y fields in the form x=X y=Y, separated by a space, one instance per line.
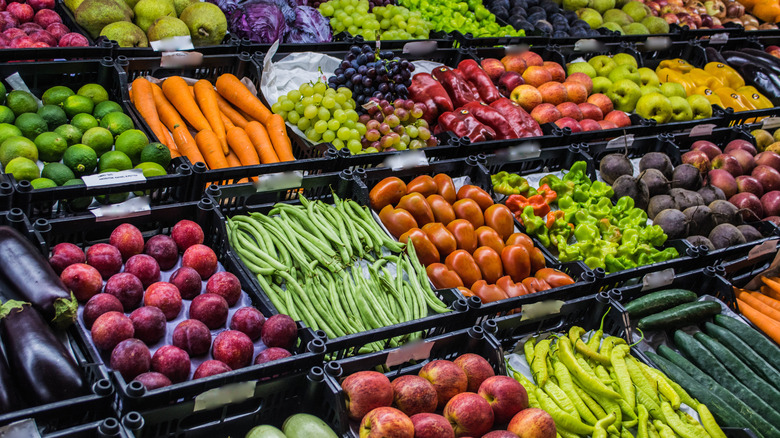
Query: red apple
x=697 y=159
x=606 y=124
x=428 y=425
x=545 y=113
x=505 y=395
x=556 y=71
x=601 y=101
x=728 y=163
x=740 y=144
x=583 y=79
x=448 y=379
x=771 y=203
x=532 y=423
x=570 y=109
x=469 y=414
x=500 y=434
x=745 y=159
x=508 y=81
x=707 y=147
x=749 y=206
x=590 y=125
x=386 y=422
x=364 y=391
x=768 y=177
x=413 y=395
x=749 y=184
x=568 y=122
x=619 y=118
x=477 y=370
x=591 y=111
x=768 y=158
x=494 y=68
x=724 y=181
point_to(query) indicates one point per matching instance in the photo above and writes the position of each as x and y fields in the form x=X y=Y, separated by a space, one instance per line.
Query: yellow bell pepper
x=709 y=95
x=677 y=64
x=731 y=98
x=687 y=82
x=752 y=95
x=727 y=75
x=701 y=77
x=669 y=75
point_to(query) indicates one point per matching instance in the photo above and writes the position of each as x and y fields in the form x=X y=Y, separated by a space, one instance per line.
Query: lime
x=23 y=169
x=54 y=116
x=132 y=142
x=151 y=169
x=42 y=183
x=114 y=160
x=156 y=153
x=51 y=146
x=17 y=147
x=56 y=95
x=31 y=125
x=7 y=131
x=77 y=105
x=70 y=133
x=21 y=102
x=57 y=172
x=95 y=92
x=2 y=93
x=78 y=204
x=6 y=115
x=99 y=139
x=117 y=123
x=106 y=107
x=113 y=198
x=84 y=122
x=81 y=159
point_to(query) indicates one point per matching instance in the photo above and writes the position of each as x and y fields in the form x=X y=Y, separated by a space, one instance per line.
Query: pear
x=207 y=23
x=131 y=3
x=181 y=5
x=73 y=4
x=146 y=11
x=126 y=34
x=94 y=15
x=617 y=16
x=167 y=27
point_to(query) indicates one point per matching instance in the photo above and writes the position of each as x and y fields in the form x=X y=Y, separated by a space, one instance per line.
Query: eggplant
x=764 y=81
x=9 y=394
x=33 y=279
x=766 y=57
x=714 y=56
x=739 y=59
x=39 y=362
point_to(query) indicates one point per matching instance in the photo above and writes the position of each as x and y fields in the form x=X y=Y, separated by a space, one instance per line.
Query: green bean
x=265 y=257
x=289 y=302
x=315 y=316
x=301 y=216
x=275 y=299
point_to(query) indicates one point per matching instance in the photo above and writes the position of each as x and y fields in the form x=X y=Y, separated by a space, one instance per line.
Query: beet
x=685 y=198
x=634 y=188
x=673 y=222
x=656 y=182
x=700 y=240
x=724 y=212
x=686 y=176
x=700 y=219
x=658 y=204
x=658 y=161
x=750 y=233
x=613 y=166
x=726 y=235
x=711 y=193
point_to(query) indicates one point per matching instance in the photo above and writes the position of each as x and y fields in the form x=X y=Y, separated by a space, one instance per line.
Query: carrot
x=772 y=283
x=192 y=90
x=228 y=124
x=247 y=116
x=760 y=306
x=175 y=90
x=145 y=105
x=239 y=95
x=211 y=148
x=232 y=159
x=231 y=112
x=765 y=323
x=262 y=142
x=242 y=146
x=771 y=302
x=277 y=131
x=168 y=114
x=186 y=144
x=207 y=99
x=766 y=290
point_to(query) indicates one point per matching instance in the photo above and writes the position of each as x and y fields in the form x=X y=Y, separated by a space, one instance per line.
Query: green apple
x=648 y=77
x=582 y=67
x=624 y=72
x=656 y=24
x=635 y=29
x=681 y=109
x=592 y=17
x=601 y=85
x=655 y=106
x=670 y=89
x=617 y=16
x=646 y=89
x=636 y=10
x=603 y=64
x=614 y=27
x=701 y=107
x=624 y=94
x=601 y=5
x=573 y=5
x=625 y=59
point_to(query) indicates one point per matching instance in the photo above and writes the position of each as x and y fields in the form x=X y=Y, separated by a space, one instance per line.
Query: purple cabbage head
x=265 y=21
x=262 y=23
x=309 y=27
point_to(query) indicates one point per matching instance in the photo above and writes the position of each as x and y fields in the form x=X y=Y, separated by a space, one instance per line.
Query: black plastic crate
x=108 y=428
x=86 y=231
x=342 y=41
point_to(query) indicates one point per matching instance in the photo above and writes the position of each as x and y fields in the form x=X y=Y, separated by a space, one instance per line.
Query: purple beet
x=130 y=358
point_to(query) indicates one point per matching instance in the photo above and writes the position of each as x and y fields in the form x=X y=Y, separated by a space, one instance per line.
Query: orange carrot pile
x=233 y=126
x=762 y=308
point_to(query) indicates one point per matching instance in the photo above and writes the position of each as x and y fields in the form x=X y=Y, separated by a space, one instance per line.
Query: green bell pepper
x=535 y=225
x=601 y=189
x=654 y=235
x=608 y=231
x=561 y=187
x=578 y=173
x=601 y=209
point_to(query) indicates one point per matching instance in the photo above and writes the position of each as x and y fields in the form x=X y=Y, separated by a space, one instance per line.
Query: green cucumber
x=743 y=350
x=658 y=302
x=680 y=316
x=752 y=337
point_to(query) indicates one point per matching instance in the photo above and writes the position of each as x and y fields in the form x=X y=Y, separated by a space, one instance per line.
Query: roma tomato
x=464 y=265
x=487 y=236
x=426 y=251
x=554 y=277
x=499 y=218
x=481 y=197
x=387 y=192
x=488 y=292
x=516 y=262
x=466 y=292
x=442 y=210
x=469 y=210
x=441 y=238
x=464 y=234
x=416 y=204
x=520 y=239
x=445 y=187
x=537 y=259
x=489 y=263
x=423 y=184
x=397 y=220
x=535 y=285
x=511 y=288
x=442 y=277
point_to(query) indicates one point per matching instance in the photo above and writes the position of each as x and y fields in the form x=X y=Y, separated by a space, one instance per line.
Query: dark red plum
x=225 y=284
x=210 y=309
x=64 y=255
x=249 y=321
x=149 y=324
x=193 y=337
x=234 y=348
x=128 y=240
x=105 y=258
x=202 y=259
x=144 y=267
x=187 y=233
x=279 y=331
x=271 y=354
x=164 y=250
x=110 y=329
x=188 y=281
x=164 y=296
x=210 y=368
x=127 y=288
x=153 y=380
x=83 y=280
x=98 y=305
x=173 y=362
x=130 y=358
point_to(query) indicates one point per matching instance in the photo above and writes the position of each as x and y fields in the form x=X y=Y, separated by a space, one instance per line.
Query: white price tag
x=172 y=44
x=657 y=279
x=228 y=394
x=541 y=309
x=719 y=38
x=114 y=178
x=138 y=206
x=181 y=59
x=420 y=48
x=702 y=130
x=413 y=351
x=406 y=160
x=17 y=83
x=21 y=429
x=653 y=44
x=770 y=123
x=586 y=45
x=516 y=48
x=522 y=151
x=279 y=181
x=622 y=142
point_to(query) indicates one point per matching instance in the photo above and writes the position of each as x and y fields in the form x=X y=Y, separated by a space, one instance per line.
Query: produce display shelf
x=342 y=41
x=108 y=428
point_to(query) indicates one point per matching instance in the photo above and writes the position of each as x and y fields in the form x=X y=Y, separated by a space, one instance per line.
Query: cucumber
x=738 y=368
x=680 y=316
x=723 y=412
x=743 y=350
x=659 y=301
x=760 y=343
x=709 y=364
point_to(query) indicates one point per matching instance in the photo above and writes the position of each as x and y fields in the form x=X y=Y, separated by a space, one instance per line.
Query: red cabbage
x=309 y=27
x=262 y=23
x=265 y=21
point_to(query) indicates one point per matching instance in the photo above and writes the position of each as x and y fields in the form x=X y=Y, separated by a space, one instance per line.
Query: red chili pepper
x=428 y=91
x=459 y=89
x=518 y=117
x=494 y=119
x=479 y=79
x=463 y=124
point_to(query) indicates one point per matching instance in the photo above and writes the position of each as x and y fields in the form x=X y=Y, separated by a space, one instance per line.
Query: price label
x=719 y=38
x=768 y=247
x=702 y=130
x=181 y=59
x=420 y=48
x=653 y=44
x=133 y=207
x=279 y=181
x=586 y=45
x=541 y=309
x=520 y=152
x=770 y=123
x=654 y=280
x=516 y=48
x=622 y=142
x=21 y=429
x=406 y=160
x=114 y=178
x=172 y=44
x=413 y=351
x=228 y=394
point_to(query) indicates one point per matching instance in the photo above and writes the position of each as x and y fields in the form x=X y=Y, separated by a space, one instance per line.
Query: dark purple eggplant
x=34 y=280
x=760 y=54
x=9 y=394
x=713 y=55
x=764 y=81
x=39 y=362
x=739 y=59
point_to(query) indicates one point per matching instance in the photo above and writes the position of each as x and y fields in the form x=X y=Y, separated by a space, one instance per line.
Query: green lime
x=54 y=116
x=151 y=169
x=6 y=115
x=106 y=107
x=31 y=125
x=56 y=95
x=57 y=172
x=113 y=198
x=156 y=153
x=23 y=169
x=77 y=105
x=17 y=147
x=70 y=133
x=117 y=123
x=42 y=183
x=51 y=146
x=114 y=160
x=22 y=102
x=2 y=93
x=99 y=139
x=81 y=159
x=78 y=204
x=132 y=142
x=83 y=122
x=7 y=131
x=95 y=92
